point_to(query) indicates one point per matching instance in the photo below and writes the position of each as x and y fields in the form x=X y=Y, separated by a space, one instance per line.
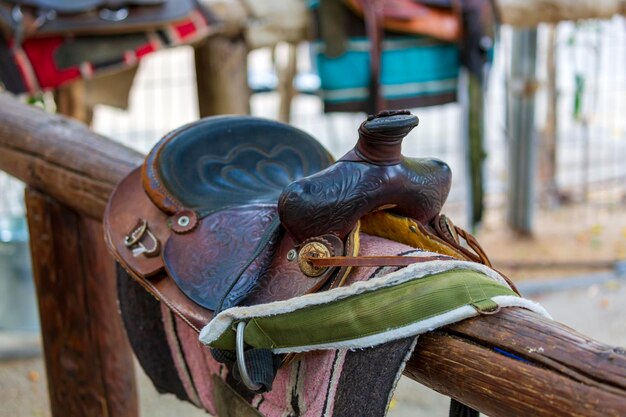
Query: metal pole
x=521 y=129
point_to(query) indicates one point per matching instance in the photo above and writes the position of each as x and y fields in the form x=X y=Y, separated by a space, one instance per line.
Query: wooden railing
x=514 y=363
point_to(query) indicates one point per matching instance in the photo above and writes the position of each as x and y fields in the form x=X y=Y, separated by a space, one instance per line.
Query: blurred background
x=541 y=181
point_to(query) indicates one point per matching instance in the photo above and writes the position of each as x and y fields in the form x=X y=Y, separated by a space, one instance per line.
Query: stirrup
x=241 y=360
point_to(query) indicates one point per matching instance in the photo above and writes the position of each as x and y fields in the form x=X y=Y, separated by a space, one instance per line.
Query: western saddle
x=239 y=211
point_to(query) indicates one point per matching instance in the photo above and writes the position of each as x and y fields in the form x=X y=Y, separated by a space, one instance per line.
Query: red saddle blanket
x=44 y=63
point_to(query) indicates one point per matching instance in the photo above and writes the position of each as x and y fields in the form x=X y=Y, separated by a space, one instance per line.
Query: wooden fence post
x=520 y=124
x=89 y=363
x=222 y=76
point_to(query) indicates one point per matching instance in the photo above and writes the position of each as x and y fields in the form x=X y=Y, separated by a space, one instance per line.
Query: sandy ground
x=597 y=311
x=571 y=240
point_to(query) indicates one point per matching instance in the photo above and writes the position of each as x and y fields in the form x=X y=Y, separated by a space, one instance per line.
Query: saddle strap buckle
x=241 y=360
x=142 y=241
x=114 y=15
x=486 y=307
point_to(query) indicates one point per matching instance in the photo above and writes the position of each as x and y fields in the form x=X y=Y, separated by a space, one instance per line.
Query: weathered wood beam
x=71 y=100
x=510 y=364
x=222 y=76
x=89 y=362
x=61 y=157
x=530 y=13
x=286 y=72
x=517 y=363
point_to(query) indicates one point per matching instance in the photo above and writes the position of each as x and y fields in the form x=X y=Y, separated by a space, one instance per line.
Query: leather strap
x=371 y=261
x=366 y=261
x=373 y=16
x=444 y=229
x=477 y=254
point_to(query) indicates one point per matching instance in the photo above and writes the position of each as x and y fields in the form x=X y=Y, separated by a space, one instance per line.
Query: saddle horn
x=374 y=175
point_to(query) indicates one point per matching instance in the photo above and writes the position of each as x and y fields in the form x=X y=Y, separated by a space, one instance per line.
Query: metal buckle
x=114 y=15
x=241 y=360
x=489 y=312
x=135 y=238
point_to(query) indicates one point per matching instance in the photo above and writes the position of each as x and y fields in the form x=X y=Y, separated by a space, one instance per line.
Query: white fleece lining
x=224 y=320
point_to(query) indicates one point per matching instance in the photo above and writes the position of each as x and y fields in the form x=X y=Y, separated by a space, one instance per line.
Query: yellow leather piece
x=353 y=243
x=408 y=231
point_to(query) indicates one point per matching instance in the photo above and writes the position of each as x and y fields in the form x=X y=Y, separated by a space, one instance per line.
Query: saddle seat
x=220 y=202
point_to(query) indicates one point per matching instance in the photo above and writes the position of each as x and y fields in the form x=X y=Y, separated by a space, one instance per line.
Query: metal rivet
x=183 y=221
x=292 y=255
x=413 y=228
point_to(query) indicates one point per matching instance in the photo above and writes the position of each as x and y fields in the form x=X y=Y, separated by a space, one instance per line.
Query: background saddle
x=24 y=19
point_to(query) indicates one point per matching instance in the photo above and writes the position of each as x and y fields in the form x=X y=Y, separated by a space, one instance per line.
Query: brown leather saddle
x=234 y=211
x=217 y=203
x=237 y=211
x=23 y=19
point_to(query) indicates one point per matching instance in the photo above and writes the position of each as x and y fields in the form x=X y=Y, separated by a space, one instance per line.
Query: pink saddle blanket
x=314 y=384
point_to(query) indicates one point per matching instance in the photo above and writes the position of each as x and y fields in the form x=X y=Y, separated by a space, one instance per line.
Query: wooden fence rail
x=530 y=13
x=514 y=363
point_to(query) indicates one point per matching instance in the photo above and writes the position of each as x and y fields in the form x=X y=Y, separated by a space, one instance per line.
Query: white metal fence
x=591 y=85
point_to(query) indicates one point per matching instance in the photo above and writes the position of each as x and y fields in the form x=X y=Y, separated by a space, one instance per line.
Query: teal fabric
x=411 y=67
